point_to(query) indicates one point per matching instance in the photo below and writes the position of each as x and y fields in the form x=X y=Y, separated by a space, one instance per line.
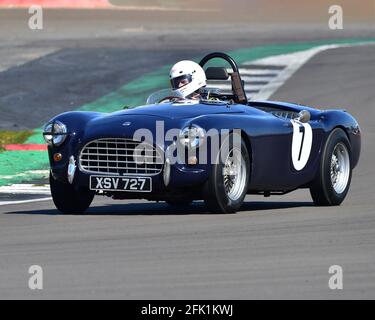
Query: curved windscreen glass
x=165 y=94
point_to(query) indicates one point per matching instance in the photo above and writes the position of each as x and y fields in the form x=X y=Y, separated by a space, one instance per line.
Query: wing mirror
x=304 y=116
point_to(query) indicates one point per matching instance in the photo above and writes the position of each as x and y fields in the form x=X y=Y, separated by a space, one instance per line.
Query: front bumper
x=182 y=177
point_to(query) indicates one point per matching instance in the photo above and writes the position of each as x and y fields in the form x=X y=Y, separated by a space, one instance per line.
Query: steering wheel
x=170 y=98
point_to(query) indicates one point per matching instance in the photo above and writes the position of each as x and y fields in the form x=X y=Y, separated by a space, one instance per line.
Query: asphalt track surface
x=279 y=247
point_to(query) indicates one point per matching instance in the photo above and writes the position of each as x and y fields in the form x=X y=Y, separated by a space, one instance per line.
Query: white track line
x=293 y=61
x=260 y=78
x=7 y=203
x=25 y=189
x=250 y=72
x=248 y=86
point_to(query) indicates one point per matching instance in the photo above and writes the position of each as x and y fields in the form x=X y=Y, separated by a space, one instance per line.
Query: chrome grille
x=120 y=156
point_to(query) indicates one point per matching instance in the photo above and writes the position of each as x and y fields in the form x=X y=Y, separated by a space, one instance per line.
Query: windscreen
x=159 y=96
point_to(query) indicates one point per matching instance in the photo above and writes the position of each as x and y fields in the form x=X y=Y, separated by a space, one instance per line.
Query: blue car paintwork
x=269 y=139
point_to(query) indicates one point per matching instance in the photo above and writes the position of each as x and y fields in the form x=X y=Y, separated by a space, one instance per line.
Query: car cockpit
x=211 y=94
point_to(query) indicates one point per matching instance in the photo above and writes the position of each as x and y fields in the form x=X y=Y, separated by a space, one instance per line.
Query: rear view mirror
x=304 y=116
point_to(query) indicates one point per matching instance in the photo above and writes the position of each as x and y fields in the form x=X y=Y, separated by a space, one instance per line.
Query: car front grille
x=119 y=156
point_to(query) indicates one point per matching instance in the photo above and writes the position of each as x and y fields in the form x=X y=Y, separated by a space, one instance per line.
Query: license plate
x=129 y=184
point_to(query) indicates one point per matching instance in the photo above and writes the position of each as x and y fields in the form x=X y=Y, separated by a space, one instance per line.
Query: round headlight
x=46 y=133
x=55 y=133
x=192 y=137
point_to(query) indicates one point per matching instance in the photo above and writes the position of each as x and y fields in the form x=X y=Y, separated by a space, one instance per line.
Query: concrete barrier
x=56 y=3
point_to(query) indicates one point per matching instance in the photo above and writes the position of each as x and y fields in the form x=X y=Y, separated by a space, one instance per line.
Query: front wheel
x=333 y=181
x=226 y=187
x=68 y=199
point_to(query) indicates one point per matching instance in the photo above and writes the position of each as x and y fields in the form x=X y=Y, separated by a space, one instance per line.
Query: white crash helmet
x=186 y=77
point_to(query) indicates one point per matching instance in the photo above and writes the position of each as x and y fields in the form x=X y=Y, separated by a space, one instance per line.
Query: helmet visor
x=181 y=81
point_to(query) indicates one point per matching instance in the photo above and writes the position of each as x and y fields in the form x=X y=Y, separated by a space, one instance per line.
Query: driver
x=187 y=77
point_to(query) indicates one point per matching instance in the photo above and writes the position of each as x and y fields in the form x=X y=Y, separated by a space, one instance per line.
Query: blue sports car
x=217 y=148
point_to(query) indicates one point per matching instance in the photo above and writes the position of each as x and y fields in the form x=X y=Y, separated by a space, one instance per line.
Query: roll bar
x=237 y=83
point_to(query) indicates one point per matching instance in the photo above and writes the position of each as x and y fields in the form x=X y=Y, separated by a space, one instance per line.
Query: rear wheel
x=226 y=187
x=333 y=181
x=68 y=199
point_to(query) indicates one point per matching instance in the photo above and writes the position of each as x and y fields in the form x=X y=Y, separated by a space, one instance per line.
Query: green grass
x=19 y=166
x=13 y=137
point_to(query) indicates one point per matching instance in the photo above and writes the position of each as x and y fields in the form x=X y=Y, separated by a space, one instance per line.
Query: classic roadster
x=267 y=148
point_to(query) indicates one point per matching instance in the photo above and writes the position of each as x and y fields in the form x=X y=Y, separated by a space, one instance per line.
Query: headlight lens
x=192 y=136
x=55 y=133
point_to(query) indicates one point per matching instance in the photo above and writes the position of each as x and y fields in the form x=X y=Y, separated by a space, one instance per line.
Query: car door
x=305 y=140
x=285 y=152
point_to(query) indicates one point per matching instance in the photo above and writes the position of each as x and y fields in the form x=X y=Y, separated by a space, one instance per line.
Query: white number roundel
x=301 y=144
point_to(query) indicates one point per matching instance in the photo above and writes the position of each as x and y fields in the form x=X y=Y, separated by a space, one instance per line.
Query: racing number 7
x=301 y=144
x=301 y=129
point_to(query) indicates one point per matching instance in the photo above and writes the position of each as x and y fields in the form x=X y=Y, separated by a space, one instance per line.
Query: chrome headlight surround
x=55 y=133
x=192 y=136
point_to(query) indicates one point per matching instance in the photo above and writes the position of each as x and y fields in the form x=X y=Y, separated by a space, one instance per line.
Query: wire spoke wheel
x=340 y=168
x=332 y=182
x=234 y=174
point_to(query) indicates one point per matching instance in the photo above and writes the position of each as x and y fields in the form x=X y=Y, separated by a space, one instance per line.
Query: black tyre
x=68 y=199
x=227 y=184
x=333 y=180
